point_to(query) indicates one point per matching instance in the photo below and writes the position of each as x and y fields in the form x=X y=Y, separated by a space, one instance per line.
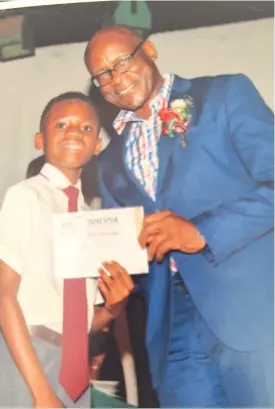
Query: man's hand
x=165 y=231
x=115 y=287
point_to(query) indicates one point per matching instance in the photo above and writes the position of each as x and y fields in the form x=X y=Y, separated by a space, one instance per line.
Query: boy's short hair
x=67 y=96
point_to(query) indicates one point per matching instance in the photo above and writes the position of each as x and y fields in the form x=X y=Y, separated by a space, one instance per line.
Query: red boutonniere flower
x=176 y=118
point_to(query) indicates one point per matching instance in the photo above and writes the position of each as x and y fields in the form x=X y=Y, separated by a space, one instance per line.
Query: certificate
x=82 y=241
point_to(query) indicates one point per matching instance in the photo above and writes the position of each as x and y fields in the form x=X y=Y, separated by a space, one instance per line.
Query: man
x=198 y=156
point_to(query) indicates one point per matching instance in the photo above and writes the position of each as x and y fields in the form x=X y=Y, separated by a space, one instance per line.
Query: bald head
x=113 y=33
x=123 y=65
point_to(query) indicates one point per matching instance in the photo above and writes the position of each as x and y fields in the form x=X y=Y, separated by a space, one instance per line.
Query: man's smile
x=126 y=90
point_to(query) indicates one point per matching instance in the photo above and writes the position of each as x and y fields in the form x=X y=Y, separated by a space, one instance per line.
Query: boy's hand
x=115 y=287
x=47 y=401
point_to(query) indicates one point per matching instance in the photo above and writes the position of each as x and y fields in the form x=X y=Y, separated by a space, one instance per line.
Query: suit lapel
x=167 y=144
x=119 y=180
x=181 y=89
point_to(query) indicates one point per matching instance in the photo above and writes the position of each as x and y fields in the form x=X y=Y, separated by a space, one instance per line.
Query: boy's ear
x=39 y=141
x=98 y=146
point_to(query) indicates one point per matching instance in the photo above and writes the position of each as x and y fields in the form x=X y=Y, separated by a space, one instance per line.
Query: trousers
x=192 y=379
x=203 y=372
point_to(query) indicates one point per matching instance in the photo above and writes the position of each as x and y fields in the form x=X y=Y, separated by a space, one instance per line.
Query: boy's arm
x=18 y=218
x=116 y=288
x=102 y=318
x=16 y=334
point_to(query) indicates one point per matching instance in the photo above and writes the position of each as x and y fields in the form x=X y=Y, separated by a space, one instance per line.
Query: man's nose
x=116 y=77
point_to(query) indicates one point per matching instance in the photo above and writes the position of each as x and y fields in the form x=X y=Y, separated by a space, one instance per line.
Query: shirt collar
x=129 y=116
x=58 y=178
x=165 y=91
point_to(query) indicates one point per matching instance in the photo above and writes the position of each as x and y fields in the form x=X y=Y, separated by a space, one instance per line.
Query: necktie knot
x=72 y=192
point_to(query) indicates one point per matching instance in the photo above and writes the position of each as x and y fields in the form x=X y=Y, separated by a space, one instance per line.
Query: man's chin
x=131 y=105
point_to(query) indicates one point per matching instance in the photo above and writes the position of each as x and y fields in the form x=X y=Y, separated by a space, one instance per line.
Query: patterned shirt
x=141 y=145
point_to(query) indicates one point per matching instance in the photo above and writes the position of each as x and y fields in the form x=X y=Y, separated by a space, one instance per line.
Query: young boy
x=43 y=346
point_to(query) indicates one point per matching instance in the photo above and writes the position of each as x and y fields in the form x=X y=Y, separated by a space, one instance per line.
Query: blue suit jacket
x=223 y=182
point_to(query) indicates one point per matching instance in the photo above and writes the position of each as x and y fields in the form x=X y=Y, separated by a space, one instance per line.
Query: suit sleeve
x=232 y=226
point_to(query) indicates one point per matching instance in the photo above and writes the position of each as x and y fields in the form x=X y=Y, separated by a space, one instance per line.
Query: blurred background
x=194 y=38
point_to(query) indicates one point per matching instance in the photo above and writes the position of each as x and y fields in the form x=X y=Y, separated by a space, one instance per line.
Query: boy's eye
x=87 y=128
x=60 y=125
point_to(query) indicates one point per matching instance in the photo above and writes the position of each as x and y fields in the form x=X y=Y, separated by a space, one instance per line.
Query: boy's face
x=69 y=135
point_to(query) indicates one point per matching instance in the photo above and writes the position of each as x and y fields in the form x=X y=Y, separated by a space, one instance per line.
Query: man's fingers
x=143 y=238
x=155 y=217
x=154 y=245
x=164 y=247
x=152 y=224
x=149 y=230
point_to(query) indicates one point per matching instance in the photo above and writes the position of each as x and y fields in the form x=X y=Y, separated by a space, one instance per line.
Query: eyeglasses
x=121 y=66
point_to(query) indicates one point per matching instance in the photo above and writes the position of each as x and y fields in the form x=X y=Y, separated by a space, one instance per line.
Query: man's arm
x=230 y=227
x=16 y=334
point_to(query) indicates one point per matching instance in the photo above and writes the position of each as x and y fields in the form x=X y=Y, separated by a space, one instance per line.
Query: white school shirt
x=26 y=246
